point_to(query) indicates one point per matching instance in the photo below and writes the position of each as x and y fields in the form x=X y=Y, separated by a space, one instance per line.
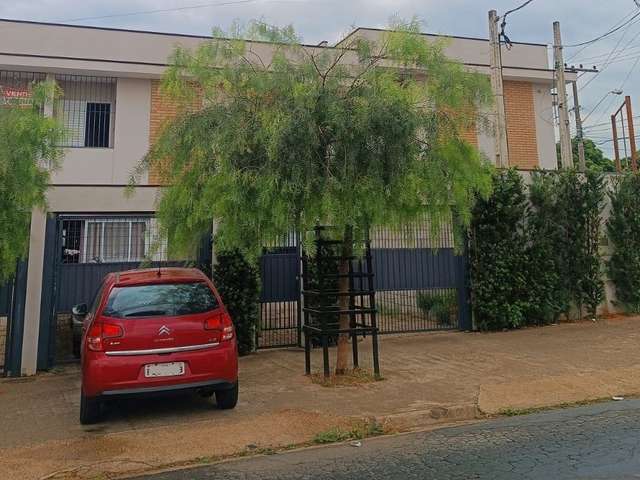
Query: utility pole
x=579 y=133
x=632 y=135
x=566 y=155
x=500 y=128
x=616 y=148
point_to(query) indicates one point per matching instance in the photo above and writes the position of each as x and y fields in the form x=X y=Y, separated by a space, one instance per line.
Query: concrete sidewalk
x=429 y=378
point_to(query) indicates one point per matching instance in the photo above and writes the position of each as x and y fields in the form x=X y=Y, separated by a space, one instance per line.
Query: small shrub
x=238 y=284
x=440 y=305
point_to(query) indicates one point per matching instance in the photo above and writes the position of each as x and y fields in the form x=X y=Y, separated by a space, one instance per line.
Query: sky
x=318 y=20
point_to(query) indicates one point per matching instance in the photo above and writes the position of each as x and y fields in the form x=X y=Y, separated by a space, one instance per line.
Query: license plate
x=164 y=369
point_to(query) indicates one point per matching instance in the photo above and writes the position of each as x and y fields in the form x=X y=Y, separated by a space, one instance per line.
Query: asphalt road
x=594 y=442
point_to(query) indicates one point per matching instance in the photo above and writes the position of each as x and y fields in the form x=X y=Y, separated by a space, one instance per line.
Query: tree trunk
x=342 y=358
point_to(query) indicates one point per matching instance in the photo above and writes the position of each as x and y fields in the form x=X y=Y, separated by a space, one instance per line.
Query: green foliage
x=239 y=286
x=548 y=287
x=594 y=157
x=441 y=305
x=292 y=136
x=28 y=152
x=498 y=255
x=535 y=254
x=581 y=198
x=623 y=228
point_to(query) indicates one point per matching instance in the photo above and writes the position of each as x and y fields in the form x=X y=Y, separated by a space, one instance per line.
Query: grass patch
x=360 y=431
x=357 y=376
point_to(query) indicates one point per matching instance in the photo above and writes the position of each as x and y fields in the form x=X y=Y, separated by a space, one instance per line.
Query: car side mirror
x=80 y=310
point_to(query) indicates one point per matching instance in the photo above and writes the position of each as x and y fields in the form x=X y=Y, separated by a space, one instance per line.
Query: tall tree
x=594 y=158
x=28 y=152
x=368 y=133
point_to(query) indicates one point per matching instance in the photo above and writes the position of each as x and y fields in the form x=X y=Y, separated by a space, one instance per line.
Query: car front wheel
x=227 y=399
x=89 y=410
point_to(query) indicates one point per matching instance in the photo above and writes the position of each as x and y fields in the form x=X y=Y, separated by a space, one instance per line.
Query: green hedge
x=623 y=228
x=238 y=284
x=498 y=259
x=534 y=250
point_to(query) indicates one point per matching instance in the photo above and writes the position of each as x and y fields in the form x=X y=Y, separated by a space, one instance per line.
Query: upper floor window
x=87 y=108
x=16 y=87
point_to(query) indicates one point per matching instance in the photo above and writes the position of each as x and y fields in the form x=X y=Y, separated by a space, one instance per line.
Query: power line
x=604 y=35
x=517 y=8
x=163 y=10
x=503 y=25
x=611 y=60
x=623 y=19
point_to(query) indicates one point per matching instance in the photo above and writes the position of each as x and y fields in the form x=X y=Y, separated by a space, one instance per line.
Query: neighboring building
x=113 y=111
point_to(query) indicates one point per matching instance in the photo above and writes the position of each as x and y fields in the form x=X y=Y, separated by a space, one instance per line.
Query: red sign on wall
x=13 y=94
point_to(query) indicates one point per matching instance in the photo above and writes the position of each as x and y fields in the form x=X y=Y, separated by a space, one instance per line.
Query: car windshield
x=166 y=299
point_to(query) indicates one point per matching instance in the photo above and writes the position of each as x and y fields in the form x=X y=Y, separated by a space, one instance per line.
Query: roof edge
x=461 y=37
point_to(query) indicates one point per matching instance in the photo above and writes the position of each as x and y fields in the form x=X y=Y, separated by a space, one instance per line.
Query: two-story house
x=112 y=109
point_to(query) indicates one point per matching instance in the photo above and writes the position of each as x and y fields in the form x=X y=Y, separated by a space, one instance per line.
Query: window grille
x=16 y=87
x=87 y=108
x=112 y=240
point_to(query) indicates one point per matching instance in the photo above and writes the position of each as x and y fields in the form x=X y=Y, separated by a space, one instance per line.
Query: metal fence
x=6 y=296
x=420 y=281
x=280 y=316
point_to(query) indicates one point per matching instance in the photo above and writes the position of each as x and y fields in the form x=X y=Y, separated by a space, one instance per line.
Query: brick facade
x=163 y=110
x=519 y=106
x=521 y=124
x=471 y=136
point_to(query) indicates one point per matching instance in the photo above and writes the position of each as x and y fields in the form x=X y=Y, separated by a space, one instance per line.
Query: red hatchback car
x=153 y=331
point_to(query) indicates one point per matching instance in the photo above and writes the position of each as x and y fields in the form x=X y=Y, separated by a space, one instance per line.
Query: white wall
x=545 y=130
x=130 y=144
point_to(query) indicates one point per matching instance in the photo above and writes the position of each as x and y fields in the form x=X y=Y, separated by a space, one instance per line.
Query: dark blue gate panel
x=414 y=268
x=5 y=298
x=279 y=277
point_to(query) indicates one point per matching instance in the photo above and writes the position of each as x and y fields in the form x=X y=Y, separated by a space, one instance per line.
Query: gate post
x=463 y=287
x=50 y=268
x=15 y=322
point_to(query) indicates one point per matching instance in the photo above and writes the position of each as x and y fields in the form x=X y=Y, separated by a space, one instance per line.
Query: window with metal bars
x=16 y=87
x=86 y=108
x=112 y=240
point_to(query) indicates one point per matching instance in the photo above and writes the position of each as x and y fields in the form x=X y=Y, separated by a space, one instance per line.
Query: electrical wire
x=163 y=10
x=503 y=25
x=612 y=58
x=517 y=8
x=619 y=22
x=604 y=35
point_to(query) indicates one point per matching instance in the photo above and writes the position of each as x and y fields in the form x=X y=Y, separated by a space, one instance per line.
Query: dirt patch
x=134 y=452
x=355 y=377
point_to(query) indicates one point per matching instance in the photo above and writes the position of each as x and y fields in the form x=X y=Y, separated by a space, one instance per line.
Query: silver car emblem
x=164 y=330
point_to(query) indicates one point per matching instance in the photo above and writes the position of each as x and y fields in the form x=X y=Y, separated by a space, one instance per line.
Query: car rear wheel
x=227 y=399
x=89 y=410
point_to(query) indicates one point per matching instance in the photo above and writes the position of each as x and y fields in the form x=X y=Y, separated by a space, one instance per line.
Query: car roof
x=155 y=275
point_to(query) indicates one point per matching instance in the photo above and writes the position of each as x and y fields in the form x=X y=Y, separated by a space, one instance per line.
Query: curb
x=420 y=419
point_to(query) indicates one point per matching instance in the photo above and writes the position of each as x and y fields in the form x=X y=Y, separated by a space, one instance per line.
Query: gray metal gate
x=420 y=280
x=6 y=298
x=280 y=316
x=84 y=249
x=421 y=284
